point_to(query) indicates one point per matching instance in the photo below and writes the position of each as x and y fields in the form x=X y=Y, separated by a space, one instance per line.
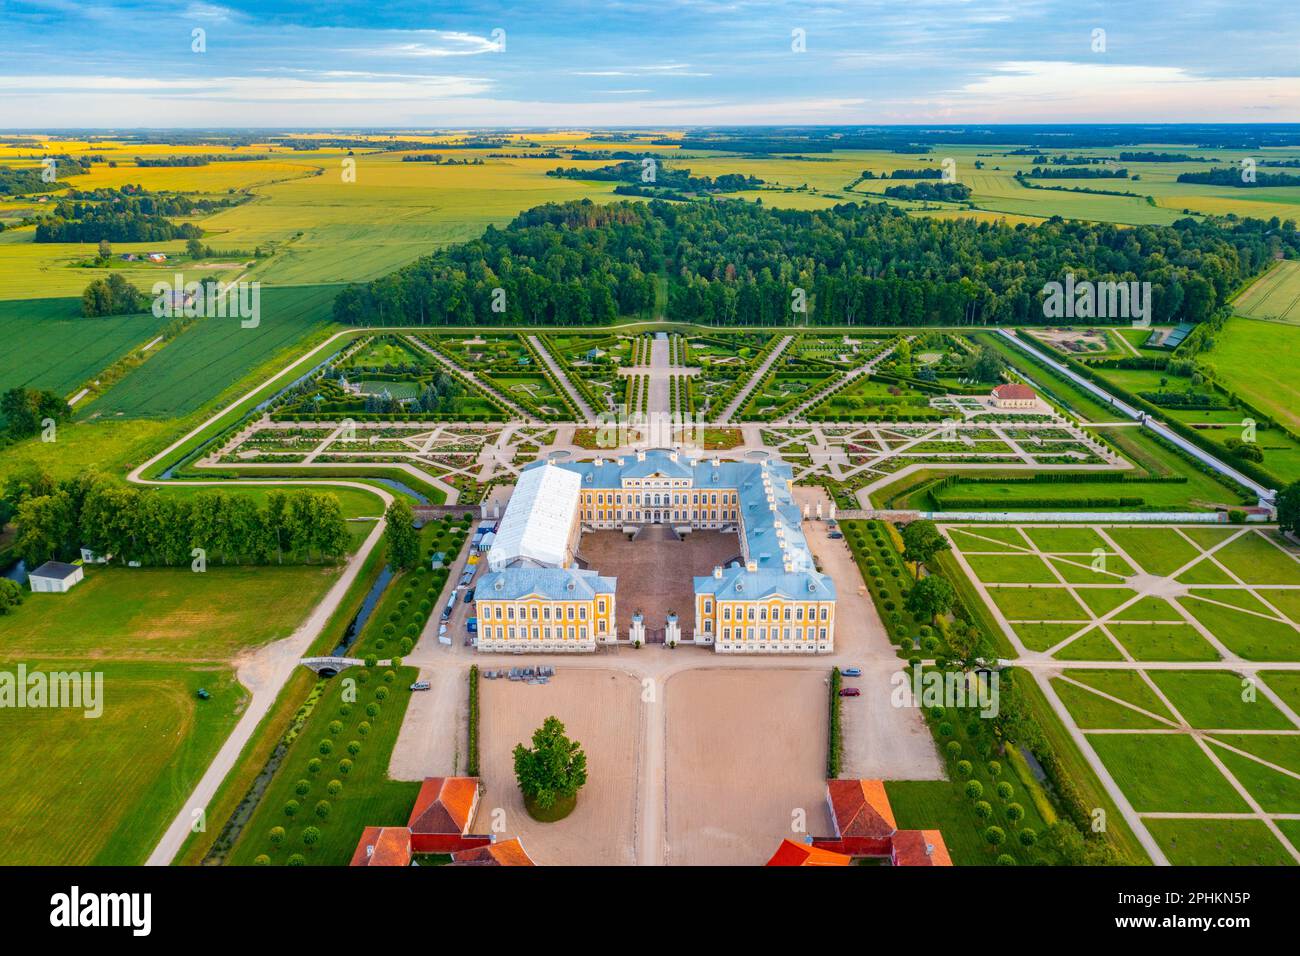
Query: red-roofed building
x=444 y=808
x=920 y=848
x=865 y=826
x=790 y=853
x=1014 y=395
x=862 y=817
x=505 y=853
x=383 y=846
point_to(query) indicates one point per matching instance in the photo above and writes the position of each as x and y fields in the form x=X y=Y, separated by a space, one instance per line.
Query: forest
x=738 y=263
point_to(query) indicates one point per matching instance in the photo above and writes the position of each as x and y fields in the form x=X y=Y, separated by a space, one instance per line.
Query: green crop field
x=49 y=344
x=1274 y=295
x=204 y=360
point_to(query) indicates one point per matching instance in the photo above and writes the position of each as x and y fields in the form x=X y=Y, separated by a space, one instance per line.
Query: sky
x=546 y=63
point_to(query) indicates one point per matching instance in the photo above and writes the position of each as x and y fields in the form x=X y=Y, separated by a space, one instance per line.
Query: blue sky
x=644 y=63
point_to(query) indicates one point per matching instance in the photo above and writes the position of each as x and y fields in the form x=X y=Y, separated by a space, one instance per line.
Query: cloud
x=441 y=43
x=1048 y=91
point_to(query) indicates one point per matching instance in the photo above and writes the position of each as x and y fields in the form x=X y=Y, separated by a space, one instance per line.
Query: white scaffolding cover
x=537 y=522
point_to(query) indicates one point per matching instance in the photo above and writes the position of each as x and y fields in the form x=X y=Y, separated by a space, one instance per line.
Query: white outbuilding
x=54 y=577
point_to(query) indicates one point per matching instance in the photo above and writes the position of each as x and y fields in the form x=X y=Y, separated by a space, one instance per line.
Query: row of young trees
x=730 y=262
x=56 y=519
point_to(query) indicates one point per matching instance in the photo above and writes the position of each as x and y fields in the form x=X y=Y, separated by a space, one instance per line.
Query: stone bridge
x=330 y=666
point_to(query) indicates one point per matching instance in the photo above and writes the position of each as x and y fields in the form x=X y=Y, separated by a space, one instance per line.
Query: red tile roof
x=445 y=805
x=505 y=853
x=790 y=853
x=383 y=846
x=920 y=848
x=1014 y=390
x=860 y=808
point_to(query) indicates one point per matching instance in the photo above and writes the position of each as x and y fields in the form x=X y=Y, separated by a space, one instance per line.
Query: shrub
x=276 y=836
x=345 y=766
x=334 y=788
x=323 y=808
x=291 y=808
x=1006 y=859
x=983 y=809
x=313 y=765
x=1005 y=791
x=326 y=746
x=302 y=787
x=995 y=836
x=964 y=767
x=974 y=790
x=261 y=860
x=297 y=860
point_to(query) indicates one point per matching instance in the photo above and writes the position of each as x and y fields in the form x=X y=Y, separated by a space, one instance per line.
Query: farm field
x=50 y=345
x=206 y=359
x=1274 y=295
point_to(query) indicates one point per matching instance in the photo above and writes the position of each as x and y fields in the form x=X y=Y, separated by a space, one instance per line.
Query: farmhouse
x=537 y=596
x=55 y=577
x=1014 y=395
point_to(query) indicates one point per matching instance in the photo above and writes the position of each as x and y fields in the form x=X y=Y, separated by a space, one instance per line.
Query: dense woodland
x=737 y=263
x=674 y=178
x=1231 y=176
x=128 y=214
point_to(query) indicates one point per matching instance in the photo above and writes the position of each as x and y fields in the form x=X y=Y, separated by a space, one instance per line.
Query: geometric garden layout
x=1172 y=654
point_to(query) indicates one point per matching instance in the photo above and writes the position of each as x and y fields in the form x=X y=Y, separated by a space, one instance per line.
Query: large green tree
x=403 y=542
x=922 y=541
x=1288 y=507
x=930 y=597
x=553 y=770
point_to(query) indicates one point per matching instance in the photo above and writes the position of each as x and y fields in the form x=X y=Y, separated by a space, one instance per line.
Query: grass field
x=100 y=791
x=1270 y=386
x=166 y=614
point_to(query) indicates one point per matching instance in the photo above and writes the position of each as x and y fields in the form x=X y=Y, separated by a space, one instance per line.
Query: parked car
x=852 y=672
x=473 y=559
x=836 y=534
x=469 y=596
x=850 y=692
x=420 y=685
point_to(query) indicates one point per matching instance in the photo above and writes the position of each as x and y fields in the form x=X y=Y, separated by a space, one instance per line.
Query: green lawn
x=1248 y=635
x=1269 y=386
x=1092 y=712
x=1257 y=561
x=167 y=614
x=1038 y=604
x=1158 y=550
x=101 y=791
x=1213 y=699
x=1010 y=568
x=1127 y=685
x=1219 y=843
x=1166 y=773
x=1163 y=642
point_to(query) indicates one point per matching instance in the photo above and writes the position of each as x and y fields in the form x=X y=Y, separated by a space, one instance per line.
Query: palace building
x=535 y=596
